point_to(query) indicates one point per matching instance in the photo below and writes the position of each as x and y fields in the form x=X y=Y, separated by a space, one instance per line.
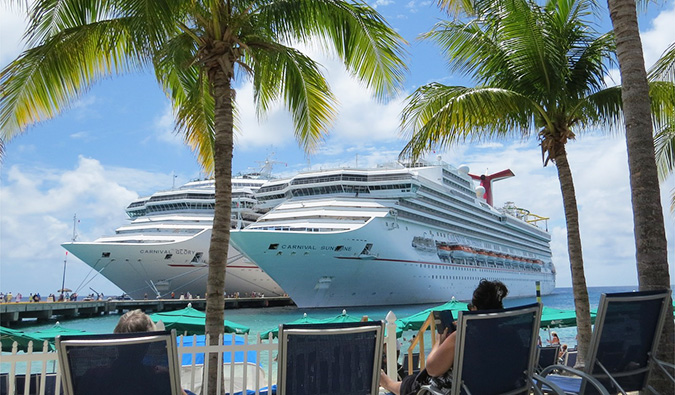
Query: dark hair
x=134 y=321
x=489 y=295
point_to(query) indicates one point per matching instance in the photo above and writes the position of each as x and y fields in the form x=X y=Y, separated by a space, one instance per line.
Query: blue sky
x=116 y=143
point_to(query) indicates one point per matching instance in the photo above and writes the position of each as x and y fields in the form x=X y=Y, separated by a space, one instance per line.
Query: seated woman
x=487 y=296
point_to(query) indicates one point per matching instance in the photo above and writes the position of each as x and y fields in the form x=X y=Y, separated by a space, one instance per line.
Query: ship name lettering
x=297 y=247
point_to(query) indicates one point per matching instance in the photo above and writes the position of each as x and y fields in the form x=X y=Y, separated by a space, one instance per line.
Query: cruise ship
x=398 y=234
x=165 y=247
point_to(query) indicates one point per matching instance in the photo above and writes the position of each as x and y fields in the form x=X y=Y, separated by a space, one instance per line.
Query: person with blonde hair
x=134 y=321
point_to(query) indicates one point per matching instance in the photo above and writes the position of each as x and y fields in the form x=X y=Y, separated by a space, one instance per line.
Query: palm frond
x=370 y=49
x=438 y=116
x=284 y=71
x=664 y=68
x=42 y=82
x=186 y=85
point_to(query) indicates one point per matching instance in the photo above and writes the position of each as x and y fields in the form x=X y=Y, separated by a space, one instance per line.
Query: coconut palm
x=650 y=235
x=198 y=50
x=539 y=72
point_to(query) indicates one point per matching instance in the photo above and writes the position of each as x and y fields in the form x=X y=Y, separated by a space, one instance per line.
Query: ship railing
x=37 y=372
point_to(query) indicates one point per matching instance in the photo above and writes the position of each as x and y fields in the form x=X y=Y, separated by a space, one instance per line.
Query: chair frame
x=587 y=376
x=289 y=330
x=555 y=349
x=64 y=343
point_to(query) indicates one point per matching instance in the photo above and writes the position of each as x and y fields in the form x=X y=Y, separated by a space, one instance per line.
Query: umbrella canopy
x=64 y=290
x=8 y=336
x=415 y=321
x=51 y=333
x=200 y=340
x=344 y=317
x=559 y=318
x=193 y=322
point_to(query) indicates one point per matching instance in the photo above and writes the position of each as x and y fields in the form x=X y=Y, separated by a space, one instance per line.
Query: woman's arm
x=442 y=355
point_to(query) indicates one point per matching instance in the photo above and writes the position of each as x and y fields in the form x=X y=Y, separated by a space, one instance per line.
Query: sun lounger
x=623 y=345
x=495 y=353
x=326 y=359
x=119 y=364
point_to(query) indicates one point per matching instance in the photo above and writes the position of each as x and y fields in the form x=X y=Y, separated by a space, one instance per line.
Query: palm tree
x=198 y=50
x=650 y=234
x=539 y=71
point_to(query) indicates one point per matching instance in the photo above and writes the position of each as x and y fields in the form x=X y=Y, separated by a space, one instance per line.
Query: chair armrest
x=536 y=385
x=592 y=380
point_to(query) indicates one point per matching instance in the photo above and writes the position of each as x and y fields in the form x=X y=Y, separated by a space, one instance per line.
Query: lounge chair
x=623 y=345
x=119 y=364
x=405 y=366
x=340 y=358
x=495 y=353
x=570 y=358
x=547 y=356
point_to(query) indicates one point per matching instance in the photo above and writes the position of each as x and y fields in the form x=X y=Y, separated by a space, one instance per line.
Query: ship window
x=105 y=255
x=273 y=246
x=168 y=256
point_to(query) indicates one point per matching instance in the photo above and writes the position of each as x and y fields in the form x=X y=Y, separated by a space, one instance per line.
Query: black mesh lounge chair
x=623 y=345
x=119 y=364
x=547 y=356
x=570 y=358
x=326 y=359
x=495 y=353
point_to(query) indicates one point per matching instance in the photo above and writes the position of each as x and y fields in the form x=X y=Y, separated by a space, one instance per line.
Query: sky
x=116 y=143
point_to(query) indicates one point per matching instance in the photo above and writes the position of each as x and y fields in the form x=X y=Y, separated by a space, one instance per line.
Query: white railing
x=258 y=374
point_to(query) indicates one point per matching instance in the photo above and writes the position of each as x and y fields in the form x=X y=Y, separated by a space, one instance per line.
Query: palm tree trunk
x=579 y=288
x=220 y=235
x=650 y=237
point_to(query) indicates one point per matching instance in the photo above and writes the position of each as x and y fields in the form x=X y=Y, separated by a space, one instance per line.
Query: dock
x=12 y=313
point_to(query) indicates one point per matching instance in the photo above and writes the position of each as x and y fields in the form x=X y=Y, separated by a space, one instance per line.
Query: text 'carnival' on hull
x=403 y=234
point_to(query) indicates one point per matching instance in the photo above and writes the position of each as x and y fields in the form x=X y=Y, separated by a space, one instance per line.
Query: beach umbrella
x=200 y=340
x=8 y=336
x=64 y=290
x=344 y=317
x=50 y=334
x=193 y=322
x=560 y=318
x=414 y=322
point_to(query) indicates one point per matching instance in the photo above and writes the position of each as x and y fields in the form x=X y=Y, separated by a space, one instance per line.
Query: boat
x=404 y=233
x=164 y=250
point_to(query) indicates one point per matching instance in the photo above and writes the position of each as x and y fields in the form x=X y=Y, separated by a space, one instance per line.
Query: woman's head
x=134 y=321
x=489 y=295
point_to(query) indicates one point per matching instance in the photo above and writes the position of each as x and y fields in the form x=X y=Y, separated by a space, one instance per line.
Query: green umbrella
x=415 y=321
x=344 y=317
x=9 y=336
x=558 y=318
x=56 y=330
x=193 y=322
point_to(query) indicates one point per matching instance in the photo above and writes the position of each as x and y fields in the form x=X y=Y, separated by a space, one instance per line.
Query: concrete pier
x=11 y=313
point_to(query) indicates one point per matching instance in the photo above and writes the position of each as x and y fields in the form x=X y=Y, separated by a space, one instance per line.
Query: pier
x=11 y=313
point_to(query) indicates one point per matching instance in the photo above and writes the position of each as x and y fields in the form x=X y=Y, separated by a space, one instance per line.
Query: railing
x=30 y=372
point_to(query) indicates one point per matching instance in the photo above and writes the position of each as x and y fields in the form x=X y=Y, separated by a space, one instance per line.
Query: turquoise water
x=263 y=319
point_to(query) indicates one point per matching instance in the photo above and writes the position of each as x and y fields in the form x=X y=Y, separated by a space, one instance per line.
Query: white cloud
x=164 y=128
x=37 y=207
x=659 y=35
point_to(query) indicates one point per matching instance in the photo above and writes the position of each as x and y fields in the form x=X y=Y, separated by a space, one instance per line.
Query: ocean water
x=263 y=319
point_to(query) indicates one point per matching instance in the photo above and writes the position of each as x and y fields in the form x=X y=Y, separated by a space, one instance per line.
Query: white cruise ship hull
x=151 y=269
x=331 y=269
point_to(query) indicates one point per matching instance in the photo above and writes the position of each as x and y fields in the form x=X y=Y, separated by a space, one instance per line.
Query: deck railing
x=259 y=374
